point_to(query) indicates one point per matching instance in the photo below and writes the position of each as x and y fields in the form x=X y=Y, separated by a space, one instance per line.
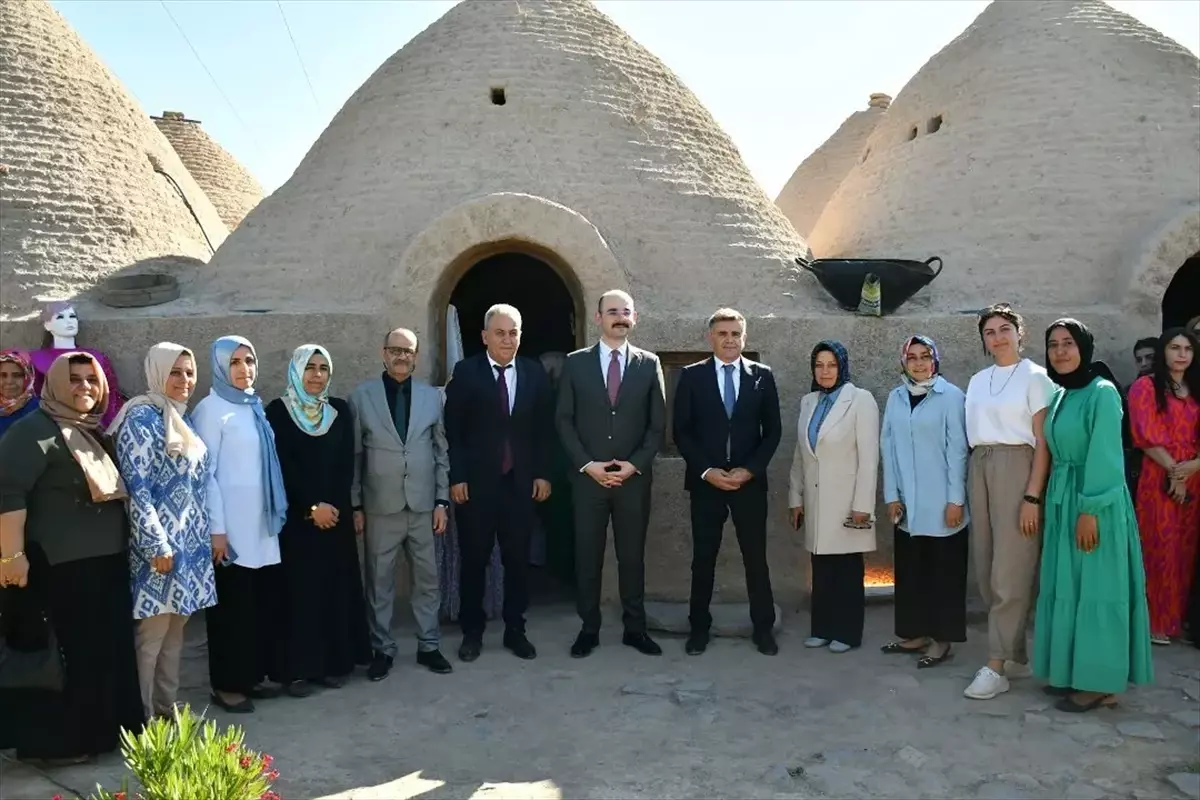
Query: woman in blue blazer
x=924 y=452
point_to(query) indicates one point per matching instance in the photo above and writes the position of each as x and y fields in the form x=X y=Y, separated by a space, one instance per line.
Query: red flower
x=244 y=762
x=118 y=796
x=229 y=748
x=273 y=775
x=267 y=761
x=57 y=797
x=269 y=795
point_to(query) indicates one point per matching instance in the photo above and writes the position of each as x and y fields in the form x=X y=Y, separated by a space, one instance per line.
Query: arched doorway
x=1181 y=301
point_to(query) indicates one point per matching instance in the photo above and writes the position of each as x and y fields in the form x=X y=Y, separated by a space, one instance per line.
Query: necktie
x=614 y=377
x=400 y=416
x=730 y=395
x=506 y=459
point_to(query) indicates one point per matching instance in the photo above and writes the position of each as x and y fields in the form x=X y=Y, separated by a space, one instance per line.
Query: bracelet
x=12 y=558
x=1036 y=501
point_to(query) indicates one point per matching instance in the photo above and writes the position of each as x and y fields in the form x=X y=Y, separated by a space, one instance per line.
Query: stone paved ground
x=731 y=723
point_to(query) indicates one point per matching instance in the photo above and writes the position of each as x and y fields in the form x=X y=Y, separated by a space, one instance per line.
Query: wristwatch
x=1035 y=501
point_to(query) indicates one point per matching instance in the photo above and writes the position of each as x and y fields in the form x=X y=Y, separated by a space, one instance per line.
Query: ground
x=731 y=723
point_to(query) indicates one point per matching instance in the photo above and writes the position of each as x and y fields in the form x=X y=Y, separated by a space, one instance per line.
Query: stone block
x=1137 y=729
x=1186 y=782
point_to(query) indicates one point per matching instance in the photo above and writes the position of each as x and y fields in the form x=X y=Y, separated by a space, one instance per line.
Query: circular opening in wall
x=934 y=125
x=912 y=133
x=138 y=291
x=498 y=98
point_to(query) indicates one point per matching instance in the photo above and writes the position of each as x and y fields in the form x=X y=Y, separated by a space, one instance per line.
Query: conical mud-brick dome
x=1030 y=153
x=229 y=185
x=88 y=185
x=804 y=196
x=549 y=99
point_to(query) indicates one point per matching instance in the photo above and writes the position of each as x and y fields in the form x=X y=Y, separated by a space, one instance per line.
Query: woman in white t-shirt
x=1006 y=406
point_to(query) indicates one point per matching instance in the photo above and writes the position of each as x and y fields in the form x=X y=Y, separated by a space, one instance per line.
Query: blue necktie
x=730 y=397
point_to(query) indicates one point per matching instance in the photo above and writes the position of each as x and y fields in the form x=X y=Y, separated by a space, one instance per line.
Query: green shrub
x=185 y=758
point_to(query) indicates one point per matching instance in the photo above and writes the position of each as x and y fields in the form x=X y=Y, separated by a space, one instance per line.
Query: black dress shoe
x=585 y=643
x=246 y=706
x=765 y=642
x=697 y=643
x=519 y=645
x=380 y=666
x=642 y=643
x=333 y=681
x=434 y=661
x=470 y=648
x=298 y=689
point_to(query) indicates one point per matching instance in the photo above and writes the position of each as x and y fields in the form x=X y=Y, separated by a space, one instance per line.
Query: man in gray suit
x=400 y=496
x=611 y=417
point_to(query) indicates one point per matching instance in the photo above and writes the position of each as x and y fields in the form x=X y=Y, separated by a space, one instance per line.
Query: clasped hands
x=728 y=480
x=952 y=517
x=461 y=493
x=598 y=471
x=1178 y=477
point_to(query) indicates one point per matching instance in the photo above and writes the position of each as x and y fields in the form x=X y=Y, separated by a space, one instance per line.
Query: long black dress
x=323 y=630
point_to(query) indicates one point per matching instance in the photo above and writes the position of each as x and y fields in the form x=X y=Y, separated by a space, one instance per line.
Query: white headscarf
x=180 y=438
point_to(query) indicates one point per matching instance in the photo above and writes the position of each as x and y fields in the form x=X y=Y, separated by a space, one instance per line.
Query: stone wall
x=230 y=186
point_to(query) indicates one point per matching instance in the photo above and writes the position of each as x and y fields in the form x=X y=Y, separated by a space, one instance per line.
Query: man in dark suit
x=727 y=428
x=611 y=417
x=499 y=425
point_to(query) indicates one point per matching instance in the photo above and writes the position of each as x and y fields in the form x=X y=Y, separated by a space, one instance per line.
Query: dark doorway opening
x=549 y=325
x=1181 y=301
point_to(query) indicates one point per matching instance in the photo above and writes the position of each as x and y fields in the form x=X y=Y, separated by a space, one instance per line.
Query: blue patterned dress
x=168 y=515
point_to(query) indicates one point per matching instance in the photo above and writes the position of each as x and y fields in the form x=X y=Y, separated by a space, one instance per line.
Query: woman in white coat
x=834 y=473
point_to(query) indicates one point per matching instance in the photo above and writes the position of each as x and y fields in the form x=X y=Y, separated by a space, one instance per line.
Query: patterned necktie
x=730 y=395
x=614 y=377
x=506 y=460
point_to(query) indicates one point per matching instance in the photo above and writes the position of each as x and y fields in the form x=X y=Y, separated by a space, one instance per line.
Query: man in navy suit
x=727 y=428
x=499 y=424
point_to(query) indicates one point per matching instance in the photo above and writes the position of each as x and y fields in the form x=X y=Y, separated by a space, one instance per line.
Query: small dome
x=229 y=185
x=88 y=185
x=1029 y=153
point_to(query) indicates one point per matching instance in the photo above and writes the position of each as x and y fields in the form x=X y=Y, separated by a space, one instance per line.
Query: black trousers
x=931 y=586
x=710 y=508
x=243 y=640
x=506 y=514
x=839 y=600
x=628 y=506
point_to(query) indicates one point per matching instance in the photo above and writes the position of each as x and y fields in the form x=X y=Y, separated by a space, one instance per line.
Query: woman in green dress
x=1093 y=626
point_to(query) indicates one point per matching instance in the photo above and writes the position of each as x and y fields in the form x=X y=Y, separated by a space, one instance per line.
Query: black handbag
x=29 y=654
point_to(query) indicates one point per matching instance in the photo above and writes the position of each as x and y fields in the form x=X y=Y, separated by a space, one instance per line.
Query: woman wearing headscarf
x=1092 y=637
x=166 y=469
x=324 y=620
x=247 y=507
x=924 y=451
x=63 y=534
x=832 y=490
x=16 y=388
x=1164 y=414
x=1006 y=409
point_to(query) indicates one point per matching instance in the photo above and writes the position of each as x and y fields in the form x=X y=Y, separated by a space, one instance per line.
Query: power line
x=296 y=48
x=211 y=77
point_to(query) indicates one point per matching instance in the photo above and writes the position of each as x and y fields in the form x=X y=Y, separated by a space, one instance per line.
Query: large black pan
x=899 y=279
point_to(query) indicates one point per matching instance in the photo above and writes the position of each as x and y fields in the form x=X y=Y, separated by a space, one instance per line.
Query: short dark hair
x=1145 y=343
x=81 y=359
x=1004 y=311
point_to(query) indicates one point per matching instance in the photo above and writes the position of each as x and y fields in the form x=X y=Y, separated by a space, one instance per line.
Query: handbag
x=29 y=654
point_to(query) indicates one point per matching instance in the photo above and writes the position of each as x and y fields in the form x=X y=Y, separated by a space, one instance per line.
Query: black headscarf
x=1086 y=343
x=843 y=361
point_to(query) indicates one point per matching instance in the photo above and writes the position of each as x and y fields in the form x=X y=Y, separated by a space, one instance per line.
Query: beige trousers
x=1006 y=563
x=159 y=642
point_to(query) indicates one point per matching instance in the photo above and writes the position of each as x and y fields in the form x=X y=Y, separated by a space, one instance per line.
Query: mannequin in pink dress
x=62 y=326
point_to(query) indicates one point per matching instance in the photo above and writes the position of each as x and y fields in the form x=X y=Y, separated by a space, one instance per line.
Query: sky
x=778 y=75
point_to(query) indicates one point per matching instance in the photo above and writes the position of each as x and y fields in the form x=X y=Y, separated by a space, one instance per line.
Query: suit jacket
x=390 y=473
x=592 y=429
x=708 y=438
x=840 y=475
x=477 y=424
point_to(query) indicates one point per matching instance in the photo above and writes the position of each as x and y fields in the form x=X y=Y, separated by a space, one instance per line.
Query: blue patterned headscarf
x=222 y=386
x=313 y=415
x=843 y=360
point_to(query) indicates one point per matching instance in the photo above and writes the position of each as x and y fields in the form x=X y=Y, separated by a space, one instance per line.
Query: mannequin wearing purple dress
x=62 y=326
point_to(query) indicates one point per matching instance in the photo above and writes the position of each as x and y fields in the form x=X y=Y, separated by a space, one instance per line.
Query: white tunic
x=1001 y=403
x=236 y=492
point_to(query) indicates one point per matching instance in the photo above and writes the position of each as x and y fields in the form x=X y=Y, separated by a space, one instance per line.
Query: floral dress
x=1170 y=530
x=168 y=514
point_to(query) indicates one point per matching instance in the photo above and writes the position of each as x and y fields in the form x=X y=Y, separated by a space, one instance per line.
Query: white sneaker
x=987 y=684
x=839 y=647
x=815 y=641
x=1016 y=671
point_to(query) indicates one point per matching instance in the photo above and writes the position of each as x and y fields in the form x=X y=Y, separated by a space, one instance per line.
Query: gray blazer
x=592 y=429
x=391 y=474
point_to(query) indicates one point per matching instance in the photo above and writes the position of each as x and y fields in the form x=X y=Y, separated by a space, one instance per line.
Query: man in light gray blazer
x=400 y=496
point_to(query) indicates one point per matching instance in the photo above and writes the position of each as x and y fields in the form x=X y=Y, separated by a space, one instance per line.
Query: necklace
x=991 y=377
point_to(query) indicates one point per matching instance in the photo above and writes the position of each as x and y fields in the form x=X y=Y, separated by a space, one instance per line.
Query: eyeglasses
x=400 y=351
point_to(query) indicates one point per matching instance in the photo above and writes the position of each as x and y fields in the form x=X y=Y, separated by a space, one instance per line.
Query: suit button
x=610 y=437
x=614 y=413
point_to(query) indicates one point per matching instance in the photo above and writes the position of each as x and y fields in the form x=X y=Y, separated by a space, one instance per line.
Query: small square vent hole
x=498 y=98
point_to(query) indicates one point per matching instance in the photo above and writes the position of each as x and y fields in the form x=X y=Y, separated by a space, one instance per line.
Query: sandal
x=1071 y=707
x=898 y=647
x=927 y=661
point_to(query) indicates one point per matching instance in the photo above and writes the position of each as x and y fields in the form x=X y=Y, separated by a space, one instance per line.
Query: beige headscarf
x=81 y=431
x=158 y=365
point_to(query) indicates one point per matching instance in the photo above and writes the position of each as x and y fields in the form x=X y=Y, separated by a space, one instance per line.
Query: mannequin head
x=61 y=324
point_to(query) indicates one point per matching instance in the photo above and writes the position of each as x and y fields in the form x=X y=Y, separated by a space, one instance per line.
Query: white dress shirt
x=510 y=379
x=737 y=377
x=236 y=494
x=606 y=357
